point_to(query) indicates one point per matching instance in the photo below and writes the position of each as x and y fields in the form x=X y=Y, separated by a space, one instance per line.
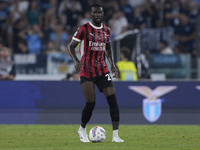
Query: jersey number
x=109 y=77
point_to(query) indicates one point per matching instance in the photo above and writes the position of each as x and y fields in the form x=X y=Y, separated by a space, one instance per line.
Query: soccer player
x=94 y=39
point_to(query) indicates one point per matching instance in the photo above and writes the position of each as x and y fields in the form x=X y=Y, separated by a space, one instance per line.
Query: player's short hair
x=126 y=53
x=96 y=5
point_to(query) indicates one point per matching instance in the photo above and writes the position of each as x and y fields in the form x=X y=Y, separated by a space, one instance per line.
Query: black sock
x=87 y=113
x=114 y=111
x=115 y=125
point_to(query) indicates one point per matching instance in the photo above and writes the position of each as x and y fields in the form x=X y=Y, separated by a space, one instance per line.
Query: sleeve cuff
x=78 y=40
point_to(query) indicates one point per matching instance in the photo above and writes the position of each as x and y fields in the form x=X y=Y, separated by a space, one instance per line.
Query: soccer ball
x=97 y=134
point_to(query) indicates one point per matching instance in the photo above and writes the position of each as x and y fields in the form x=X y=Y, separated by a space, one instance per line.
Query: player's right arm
x=71 y=48
x=76 y=39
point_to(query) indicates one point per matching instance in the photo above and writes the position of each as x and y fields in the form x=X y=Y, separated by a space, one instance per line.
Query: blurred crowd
x=46 y=26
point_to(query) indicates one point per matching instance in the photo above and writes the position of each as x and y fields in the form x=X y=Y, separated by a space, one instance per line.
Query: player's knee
x=109 y=91
x=90 y=100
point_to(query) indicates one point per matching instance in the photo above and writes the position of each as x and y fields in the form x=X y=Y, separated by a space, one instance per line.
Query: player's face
x=97 y=15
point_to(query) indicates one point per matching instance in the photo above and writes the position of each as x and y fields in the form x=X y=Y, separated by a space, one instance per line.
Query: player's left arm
x=109 y=55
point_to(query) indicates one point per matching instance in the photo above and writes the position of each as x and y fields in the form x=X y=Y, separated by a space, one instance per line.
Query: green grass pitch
x=65 y=137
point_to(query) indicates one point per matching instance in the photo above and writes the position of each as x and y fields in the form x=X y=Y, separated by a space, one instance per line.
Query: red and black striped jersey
x=93 y=41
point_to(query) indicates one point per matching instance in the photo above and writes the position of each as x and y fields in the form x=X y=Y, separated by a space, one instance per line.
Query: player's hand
x=114 y=71
x=78 y=66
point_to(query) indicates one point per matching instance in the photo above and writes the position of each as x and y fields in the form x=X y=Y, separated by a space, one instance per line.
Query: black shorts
x=101 y=82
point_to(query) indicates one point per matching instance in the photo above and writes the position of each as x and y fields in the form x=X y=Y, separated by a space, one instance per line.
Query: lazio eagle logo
x=152 y=104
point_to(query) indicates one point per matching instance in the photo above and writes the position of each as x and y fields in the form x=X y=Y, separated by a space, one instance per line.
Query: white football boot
x=83 y=135
x=116 y=138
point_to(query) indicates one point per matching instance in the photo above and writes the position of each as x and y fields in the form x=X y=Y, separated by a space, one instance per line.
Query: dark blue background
x=61 y=94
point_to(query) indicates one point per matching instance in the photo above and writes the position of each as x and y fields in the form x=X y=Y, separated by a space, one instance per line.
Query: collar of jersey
x=95 y=26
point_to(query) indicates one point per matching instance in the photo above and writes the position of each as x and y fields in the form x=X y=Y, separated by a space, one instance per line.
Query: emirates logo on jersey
x=97 y=46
